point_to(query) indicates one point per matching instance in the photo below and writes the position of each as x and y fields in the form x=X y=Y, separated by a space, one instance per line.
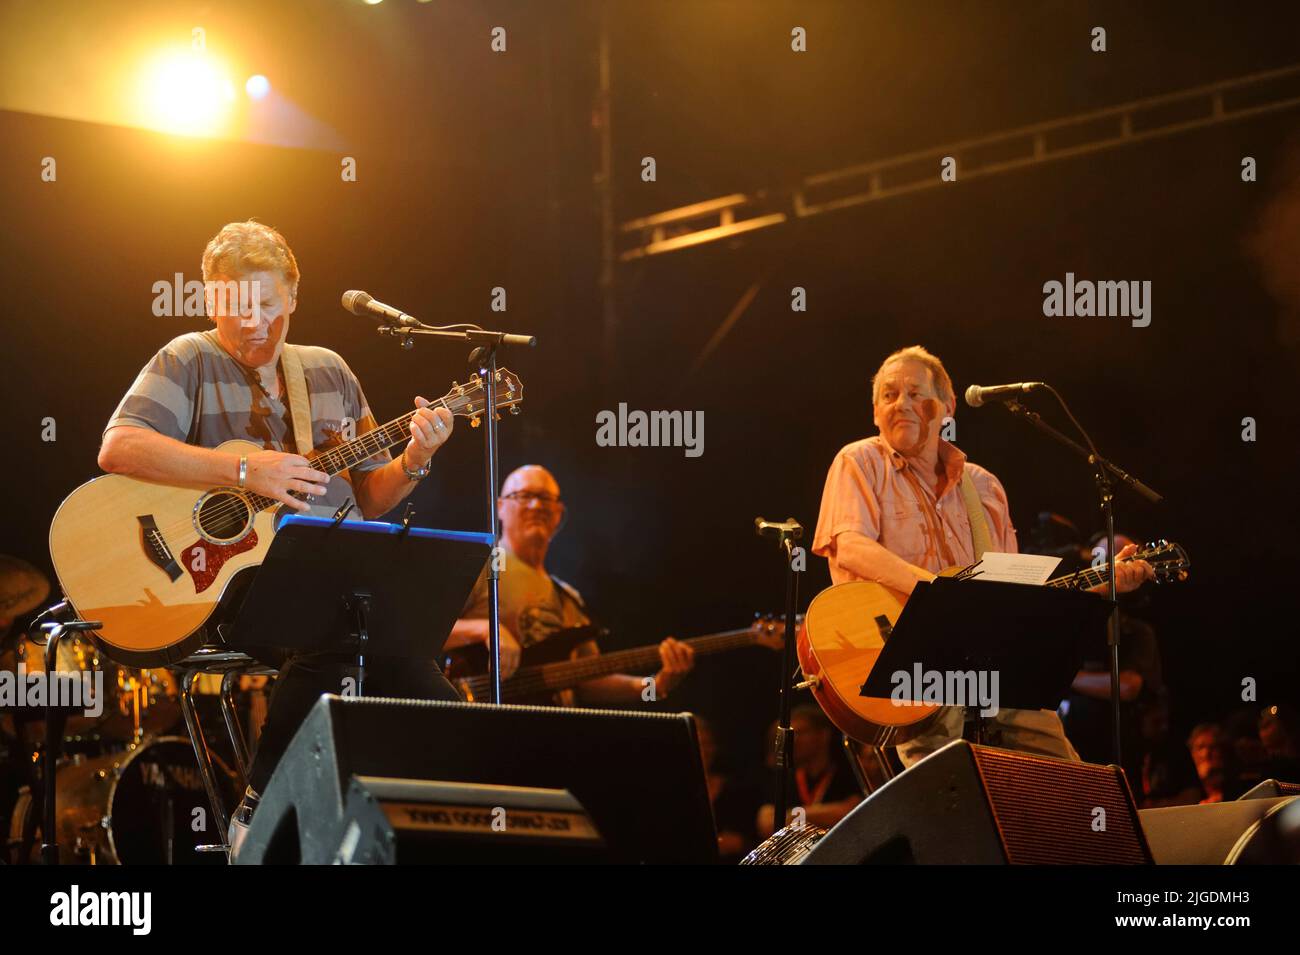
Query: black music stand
x=360 y=587
x=1034 y=637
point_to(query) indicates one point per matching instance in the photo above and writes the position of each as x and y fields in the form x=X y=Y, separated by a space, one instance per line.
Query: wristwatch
x=417 y=475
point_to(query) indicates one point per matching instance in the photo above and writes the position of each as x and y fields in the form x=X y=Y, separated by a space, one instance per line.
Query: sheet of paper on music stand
x=1016 y=568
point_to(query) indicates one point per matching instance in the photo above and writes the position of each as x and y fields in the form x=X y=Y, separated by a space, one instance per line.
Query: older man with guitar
x=905 y=504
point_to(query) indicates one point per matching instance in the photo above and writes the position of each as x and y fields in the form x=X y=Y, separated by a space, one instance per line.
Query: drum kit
x=126 y=793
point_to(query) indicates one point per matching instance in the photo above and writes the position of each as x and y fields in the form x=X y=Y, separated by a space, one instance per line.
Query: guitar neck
x=1089 y=577
x=568 y=673
x=643 y=659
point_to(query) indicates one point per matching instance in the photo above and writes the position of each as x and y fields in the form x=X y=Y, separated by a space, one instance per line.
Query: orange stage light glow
x=185 y=92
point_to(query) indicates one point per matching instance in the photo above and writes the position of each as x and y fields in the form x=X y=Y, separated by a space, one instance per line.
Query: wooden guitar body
x=843 y=633
x=151 y=561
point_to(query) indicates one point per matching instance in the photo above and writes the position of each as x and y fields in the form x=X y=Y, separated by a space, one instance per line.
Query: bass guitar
x=545 y=668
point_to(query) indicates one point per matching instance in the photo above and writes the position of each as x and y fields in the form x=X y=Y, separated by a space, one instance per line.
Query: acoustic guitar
x=847 y=625
x=152 y=561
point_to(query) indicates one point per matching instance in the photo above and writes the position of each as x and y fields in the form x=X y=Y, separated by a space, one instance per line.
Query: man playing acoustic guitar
x=205 y=388
x=893 y=512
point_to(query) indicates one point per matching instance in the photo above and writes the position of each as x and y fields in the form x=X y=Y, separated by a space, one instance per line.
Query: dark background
x=477 y=170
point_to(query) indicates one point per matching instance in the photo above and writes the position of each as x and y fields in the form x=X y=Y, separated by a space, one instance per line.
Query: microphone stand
x=1102 y=470
x=484 y=358
x=786 y=534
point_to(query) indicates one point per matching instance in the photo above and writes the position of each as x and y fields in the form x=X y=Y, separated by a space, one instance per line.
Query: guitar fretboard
x=1090 y=577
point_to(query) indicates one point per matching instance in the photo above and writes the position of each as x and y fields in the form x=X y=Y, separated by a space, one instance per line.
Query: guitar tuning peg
x=474 y=422
x=514 y=409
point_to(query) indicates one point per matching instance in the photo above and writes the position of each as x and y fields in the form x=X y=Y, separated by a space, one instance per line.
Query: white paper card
x=1016 y=568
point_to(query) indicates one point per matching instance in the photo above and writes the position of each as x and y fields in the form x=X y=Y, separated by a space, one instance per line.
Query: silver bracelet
x=243 y=470
x=419 y=474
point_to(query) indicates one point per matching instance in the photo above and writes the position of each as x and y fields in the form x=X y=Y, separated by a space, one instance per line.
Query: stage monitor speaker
x=1242 y=832
x=975 y=804
x=638 y=777
x=1271 y=789
x=403 y=821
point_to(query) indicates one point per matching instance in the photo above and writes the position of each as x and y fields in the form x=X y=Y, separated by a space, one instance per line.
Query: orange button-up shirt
x=874 y=490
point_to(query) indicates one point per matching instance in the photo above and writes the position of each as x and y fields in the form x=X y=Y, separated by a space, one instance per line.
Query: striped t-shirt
x=194 y=391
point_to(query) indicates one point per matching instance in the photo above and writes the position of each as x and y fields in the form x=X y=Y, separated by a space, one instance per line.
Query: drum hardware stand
x=1102 y=472
x=785 y=534
x=54 y=633
x=358 y=604
x=484 y=360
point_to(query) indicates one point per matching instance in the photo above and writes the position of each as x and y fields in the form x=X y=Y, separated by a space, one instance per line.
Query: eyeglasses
x=529 y=498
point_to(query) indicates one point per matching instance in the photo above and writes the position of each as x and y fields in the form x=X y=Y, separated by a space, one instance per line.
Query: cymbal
x=22 y=587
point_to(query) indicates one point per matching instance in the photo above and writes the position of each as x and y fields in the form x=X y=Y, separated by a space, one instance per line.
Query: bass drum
x=144 y=806
x=787 y=846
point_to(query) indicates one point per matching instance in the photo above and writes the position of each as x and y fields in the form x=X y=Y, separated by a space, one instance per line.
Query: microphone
x=976 y=395
x=363 y=304
x=778 y=529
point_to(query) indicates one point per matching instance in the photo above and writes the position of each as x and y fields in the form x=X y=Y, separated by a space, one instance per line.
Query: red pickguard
x=214 y=559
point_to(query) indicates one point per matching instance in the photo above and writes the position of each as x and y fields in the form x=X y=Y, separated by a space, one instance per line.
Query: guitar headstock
x=1169 y=561
x=769 y=629
x=470 y=399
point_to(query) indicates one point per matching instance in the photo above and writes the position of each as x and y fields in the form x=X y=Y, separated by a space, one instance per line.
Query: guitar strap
x=295 y=383
x=569 y=591
x=981 y=540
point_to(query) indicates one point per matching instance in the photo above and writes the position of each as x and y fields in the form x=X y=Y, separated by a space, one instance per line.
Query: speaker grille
x=1046 y=810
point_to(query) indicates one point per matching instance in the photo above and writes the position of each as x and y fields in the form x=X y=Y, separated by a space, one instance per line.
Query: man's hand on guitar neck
x=1129 y=575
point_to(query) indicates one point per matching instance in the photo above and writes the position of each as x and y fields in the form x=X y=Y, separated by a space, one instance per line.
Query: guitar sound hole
x=224 y=517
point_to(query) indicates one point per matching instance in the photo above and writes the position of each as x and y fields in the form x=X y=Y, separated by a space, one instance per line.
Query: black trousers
x=302 y=681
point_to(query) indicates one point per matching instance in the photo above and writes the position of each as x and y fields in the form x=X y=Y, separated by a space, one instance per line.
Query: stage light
x=257 y=86
x=371 y=3
x=187 y=93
